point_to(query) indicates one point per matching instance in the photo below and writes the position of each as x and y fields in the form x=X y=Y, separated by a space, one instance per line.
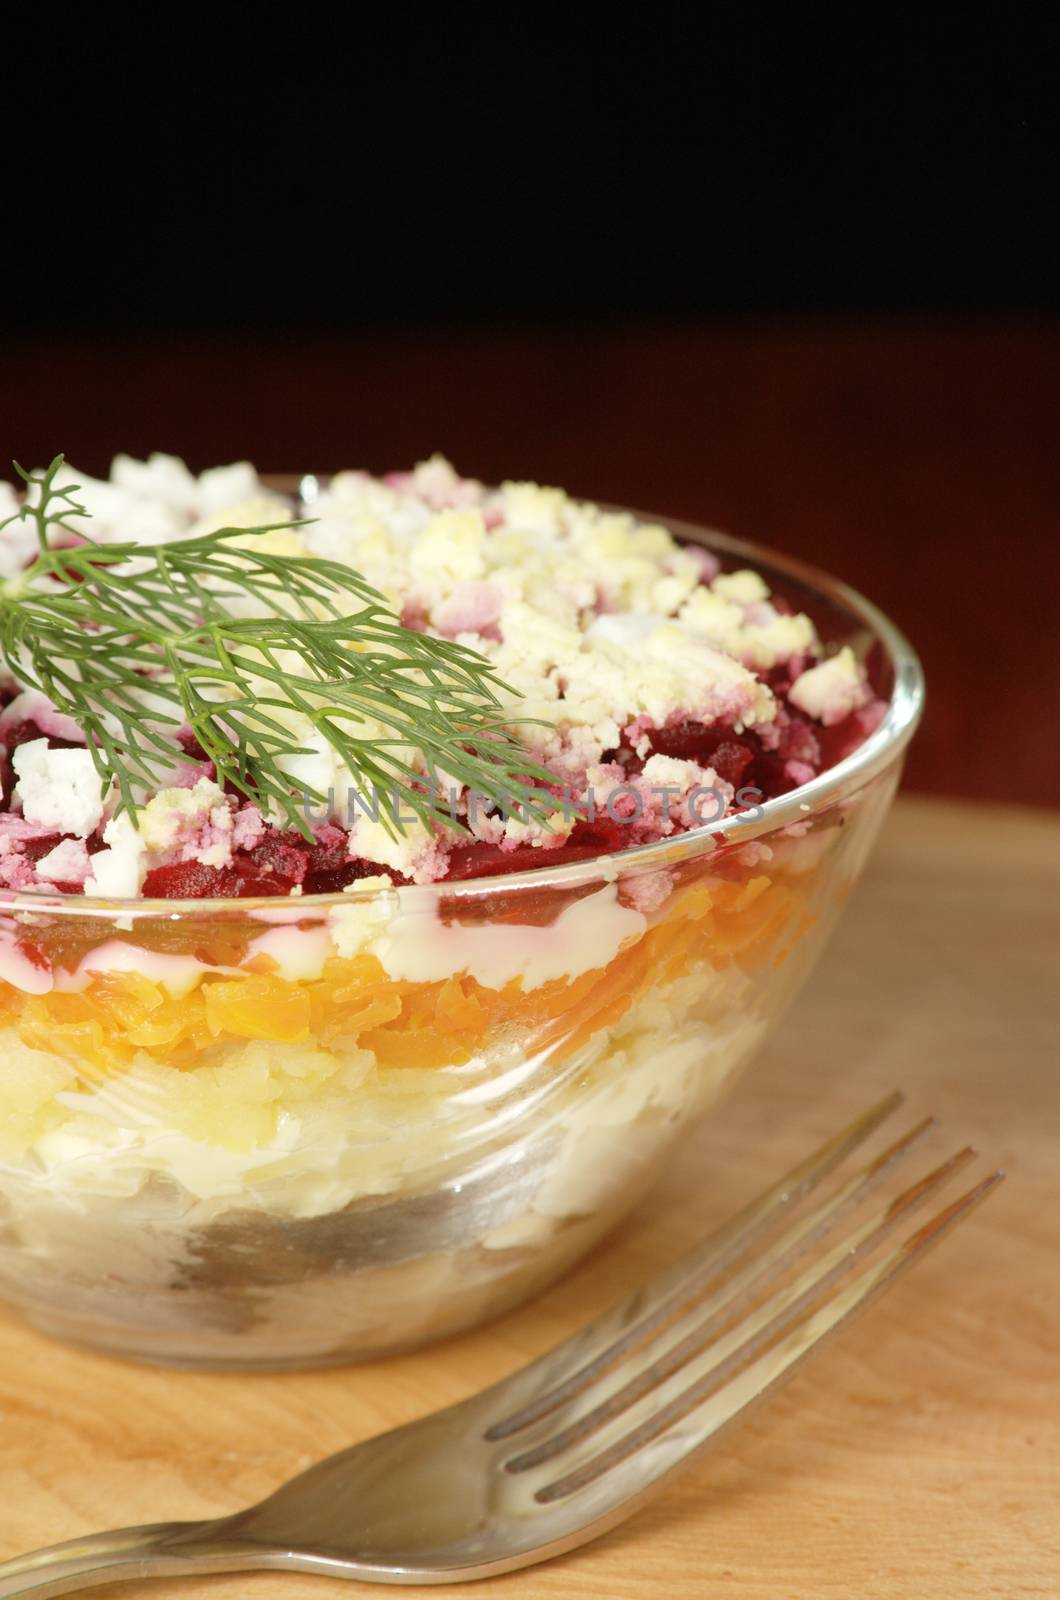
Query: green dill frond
x=131 y=640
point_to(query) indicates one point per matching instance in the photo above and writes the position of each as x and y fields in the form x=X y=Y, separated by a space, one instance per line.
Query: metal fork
x=572 y=1444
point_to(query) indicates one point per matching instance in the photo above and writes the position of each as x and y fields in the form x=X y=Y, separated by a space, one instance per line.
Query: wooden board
x=919 y=1457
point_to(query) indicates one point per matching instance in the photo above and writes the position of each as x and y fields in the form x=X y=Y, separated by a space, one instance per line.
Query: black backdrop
x=524 y=166
x=791 y=277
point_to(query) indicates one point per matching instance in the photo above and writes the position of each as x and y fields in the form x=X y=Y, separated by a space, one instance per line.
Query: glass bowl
x=289 y=1132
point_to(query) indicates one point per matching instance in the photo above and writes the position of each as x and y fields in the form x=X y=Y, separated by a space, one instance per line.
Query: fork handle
x=155 y=1550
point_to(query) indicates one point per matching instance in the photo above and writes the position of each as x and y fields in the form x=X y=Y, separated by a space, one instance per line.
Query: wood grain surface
x=919 y=1457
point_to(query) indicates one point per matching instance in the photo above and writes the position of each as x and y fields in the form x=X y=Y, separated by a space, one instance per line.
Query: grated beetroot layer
x=282 y=861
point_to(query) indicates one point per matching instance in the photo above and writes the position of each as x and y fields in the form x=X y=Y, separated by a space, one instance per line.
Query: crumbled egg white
x=669 y=772
x=119 y=869
x=18 y=540
x=745 y=587
x=183 y=822
x=372 y=841
x=257 y=511
x=831 y=690
x=661 y=643
x=159 y=499
x=58 y=789
x=599 y=624
x=173 y=815
x=222 y=489
x=451 y=550
x=752 y=630
x=69 y=862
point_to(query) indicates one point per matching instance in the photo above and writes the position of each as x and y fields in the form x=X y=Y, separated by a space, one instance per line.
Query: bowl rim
x=879 y=751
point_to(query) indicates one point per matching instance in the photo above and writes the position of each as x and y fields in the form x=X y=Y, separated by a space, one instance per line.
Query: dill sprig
x=131 y=640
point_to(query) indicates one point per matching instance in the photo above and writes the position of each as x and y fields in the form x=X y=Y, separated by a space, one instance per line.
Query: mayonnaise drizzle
x=416 y=947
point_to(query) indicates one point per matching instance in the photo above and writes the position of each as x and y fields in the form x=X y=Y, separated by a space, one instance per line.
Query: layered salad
x=366 y=932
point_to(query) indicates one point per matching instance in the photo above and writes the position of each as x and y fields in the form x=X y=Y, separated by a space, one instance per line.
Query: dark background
x=796 y=278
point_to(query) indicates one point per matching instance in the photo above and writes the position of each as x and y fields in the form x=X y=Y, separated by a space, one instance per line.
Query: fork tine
x=738 y=1293
x=748 y=1375
x=656 y=1304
